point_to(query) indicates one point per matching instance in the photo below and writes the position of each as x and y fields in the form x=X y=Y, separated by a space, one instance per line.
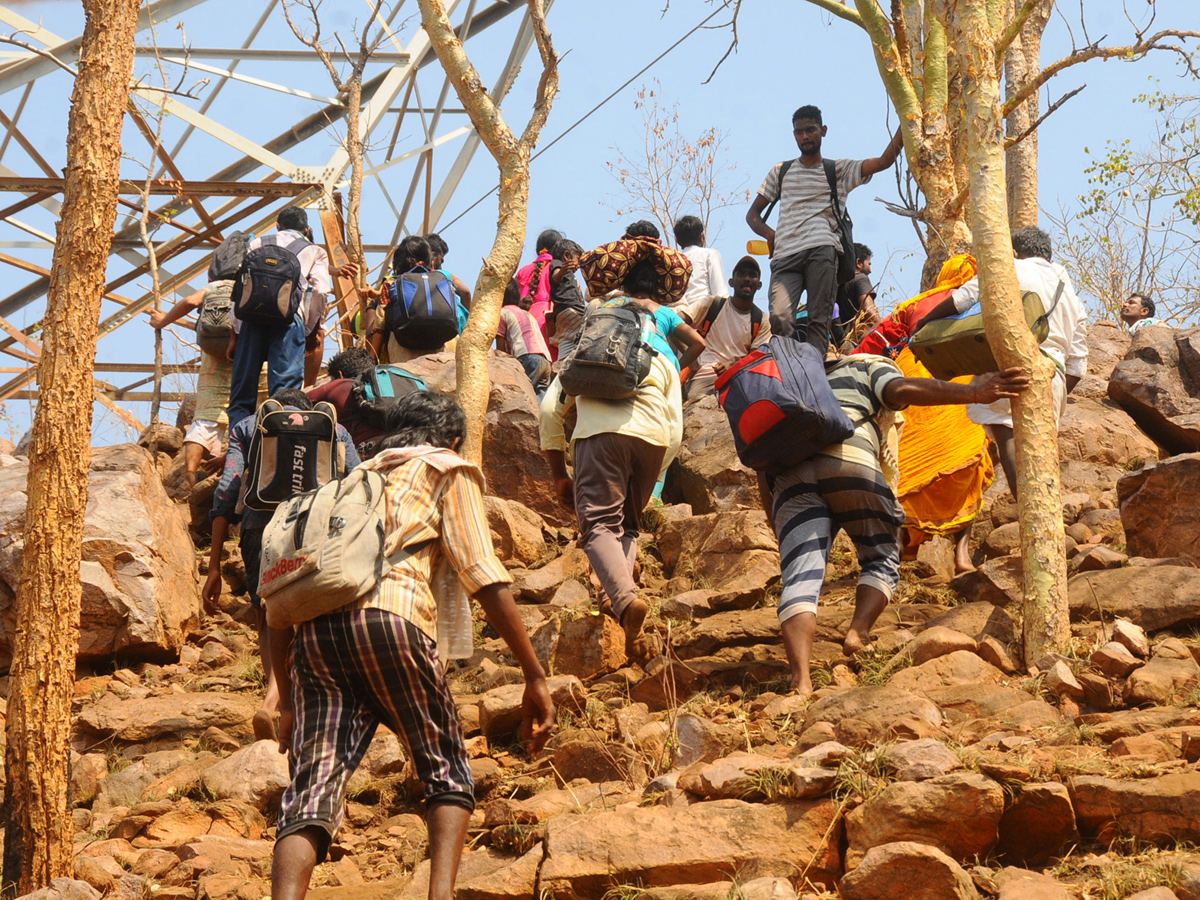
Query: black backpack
x=292 y=451
x=212 y=319
x=422 y=313
x=228 y=257
x=613 y=355
x=377 y=390
x=268 y=288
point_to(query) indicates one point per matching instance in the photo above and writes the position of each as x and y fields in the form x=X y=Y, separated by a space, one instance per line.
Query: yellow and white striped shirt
x=434 y=508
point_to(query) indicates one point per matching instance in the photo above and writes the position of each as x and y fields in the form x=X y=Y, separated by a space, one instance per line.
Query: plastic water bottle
x=758 y=248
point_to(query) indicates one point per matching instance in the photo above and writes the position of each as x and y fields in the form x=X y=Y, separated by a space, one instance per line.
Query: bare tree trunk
x=1022 y=61
x=973 y=34
x=354 y=149
x=512 y=156
x=38 y=827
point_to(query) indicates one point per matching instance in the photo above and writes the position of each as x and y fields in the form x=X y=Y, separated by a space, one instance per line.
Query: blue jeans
x=281 y=347
x=537 y=367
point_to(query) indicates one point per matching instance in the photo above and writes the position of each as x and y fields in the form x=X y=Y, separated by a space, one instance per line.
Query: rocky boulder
x=141 y=596
x=512 y=456
x=704 y=842
x=1160 y=509
x=1154 y=597
x=707 y=473
x=1157 y=384
x=1156 y=810
x=959 y=814
x=1100 y=431
x=893 y=870
x=728 y=552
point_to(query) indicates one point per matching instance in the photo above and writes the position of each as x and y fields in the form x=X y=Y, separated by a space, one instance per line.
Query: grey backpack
x=212 y=321
x=613 y=355
x=323 y=549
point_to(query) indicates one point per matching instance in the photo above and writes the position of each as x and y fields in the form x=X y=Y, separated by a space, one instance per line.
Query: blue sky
x=789 y=54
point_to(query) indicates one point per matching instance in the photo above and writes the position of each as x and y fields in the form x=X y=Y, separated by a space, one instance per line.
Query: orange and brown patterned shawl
x=604 y=269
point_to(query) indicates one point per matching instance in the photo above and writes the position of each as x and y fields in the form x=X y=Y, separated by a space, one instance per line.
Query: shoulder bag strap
x=714 y=310
x=783 y=168
x=1045 y=317
x=830 y=167
x=756 y=320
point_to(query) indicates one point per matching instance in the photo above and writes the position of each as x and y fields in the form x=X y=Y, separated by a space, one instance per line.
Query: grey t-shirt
x=806 y=211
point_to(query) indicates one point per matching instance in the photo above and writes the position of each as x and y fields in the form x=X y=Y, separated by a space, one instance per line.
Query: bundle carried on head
x=604 y=269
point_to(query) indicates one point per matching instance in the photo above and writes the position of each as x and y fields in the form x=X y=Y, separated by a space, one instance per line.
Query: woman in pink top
x=520 y=335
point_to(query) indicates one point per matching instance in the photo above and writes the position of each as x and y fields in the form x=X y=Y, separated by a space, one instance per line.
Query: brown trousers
x=615 y=475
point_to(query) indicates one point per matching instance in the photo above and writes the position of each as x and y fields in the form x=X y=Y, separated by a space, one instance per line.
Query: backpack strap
x=1045 y=317
x=756 y=320
x=830 y=167
x=714 y=310
x=783 y=168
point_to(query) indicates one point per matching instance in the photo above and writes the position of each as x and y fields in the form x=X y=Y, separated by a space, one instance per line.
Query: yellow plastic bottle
x=758 y=248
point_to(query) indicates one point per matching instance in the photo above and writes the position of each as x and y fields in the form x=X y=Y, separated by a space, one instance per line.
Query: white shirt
x=708 y=278
x=314 y=273
x=1067 y=341
x=731 y=336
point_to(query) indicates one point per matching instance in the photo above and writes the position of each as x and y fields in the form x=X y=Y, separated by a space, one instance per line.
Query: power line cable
x=582 y=118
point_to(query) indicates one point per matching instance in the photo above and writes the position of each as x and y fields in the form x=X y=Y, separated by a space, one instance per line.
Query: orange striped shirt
x=434 y=507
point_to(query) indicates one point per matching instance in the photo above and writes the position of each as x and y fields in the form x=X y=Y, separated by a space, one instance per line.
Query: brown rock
x=598 y=762
x=997 y=581
x=1038 y=824
x=1155 y=893
x=189 y=713
x=1061 y=682
x=891 y=870
x=1021 y=884
x=697 y=739
x=87 y=772
x=1158 y=508
x=540 y=585
x=513 y=463
x=882 y=712
x=140 y=593
x=483 y=874
x=1097 y=430
x=959 y=814
x=1153 y=597
x=257 y=775
x=978 y=620
x=935 y=559
x=958 y=667
x=707 y=473
x=586 y=647
x=937 y=641
x=999 y=655
x=1003 y=541
x=95 y=871
x=1097 y=559
x=1114 y=660
x=125 y=788
x=720 y=548
x=1162 y=681
x=1151 y=386
x=1156 y=810
x=500 y=708
x=517 y=532
x=667 y=681
x=738 y=628
x=752 y=776
x=1132 y=637
x=704 y=842
x=571 y=593
x=919 y=760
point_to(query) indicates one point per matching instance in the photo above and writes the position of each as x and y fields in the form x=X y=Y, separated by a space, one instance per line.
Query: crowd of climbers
x=332 y=680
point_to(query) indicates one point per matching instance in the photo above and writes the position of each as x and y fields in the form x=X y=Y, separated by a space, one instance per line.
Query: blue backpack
x=422 y=313
x=780 y=406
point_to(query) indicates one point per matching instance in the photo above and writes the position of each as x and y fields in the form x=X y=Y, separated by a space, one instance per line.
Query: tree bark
x=512 y=157
x=973 y=27
x=38 y=827
x=1022 y=61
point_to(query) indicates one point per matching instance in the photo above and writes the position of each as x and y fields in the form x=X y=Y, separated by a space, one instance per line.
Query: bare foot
x=802 y=686
x=854 y=643
x=631 y=622
x=264 y=726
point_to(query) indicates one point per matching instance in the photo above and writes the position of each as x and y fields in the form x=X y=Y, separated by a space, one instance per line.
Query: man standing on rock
x=805 y=245
x=844 y=486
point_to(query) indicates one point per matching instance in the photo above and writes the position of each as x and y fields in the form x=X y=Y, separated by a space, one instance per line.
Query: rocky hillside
x=939 y=764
